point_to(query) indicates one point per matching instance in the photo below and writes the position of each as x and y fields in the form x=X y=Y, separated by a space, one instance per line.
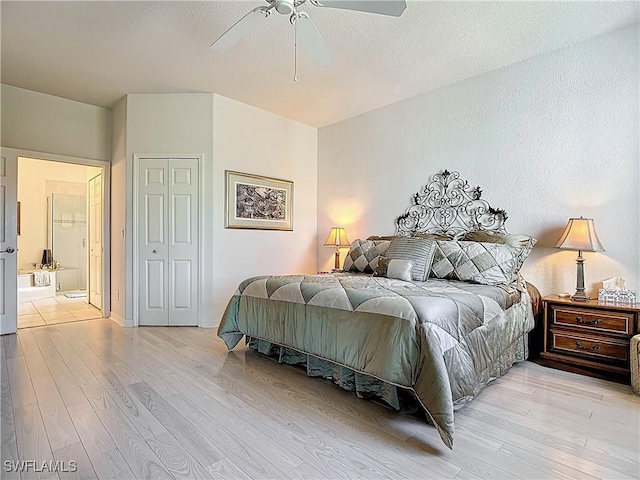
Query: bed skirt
x=365 y=386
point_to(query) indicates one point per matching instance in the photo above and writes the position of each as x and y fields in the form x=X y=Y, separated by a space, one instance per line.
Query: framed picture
x=257 y=202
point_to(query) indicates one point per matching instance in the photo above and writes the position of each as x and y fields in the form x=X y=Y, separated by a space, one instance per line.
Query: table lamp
x=337 y=238
x=580 y=234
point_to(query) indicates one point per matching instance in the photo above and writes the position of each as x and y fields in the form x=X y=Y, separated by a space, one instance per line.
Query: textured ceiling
x=95 y=52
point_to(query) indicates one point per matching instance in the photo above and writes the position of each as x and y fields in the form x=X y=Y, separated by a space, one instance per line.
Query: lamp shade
x=580 y=234
x=337 y=238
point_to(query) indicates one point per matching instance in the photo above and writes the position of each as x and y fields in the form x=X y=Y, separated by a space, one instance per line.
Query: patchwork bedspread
x=443 y=339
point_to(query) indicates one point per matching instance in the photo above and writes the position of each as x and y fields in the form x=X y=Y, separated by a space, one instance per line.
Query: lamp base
x=580 y=297
x=337 y=267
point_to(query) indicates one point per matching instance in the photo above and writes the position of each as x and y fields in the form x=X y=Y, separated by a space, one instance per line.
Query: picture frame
x=257 y=202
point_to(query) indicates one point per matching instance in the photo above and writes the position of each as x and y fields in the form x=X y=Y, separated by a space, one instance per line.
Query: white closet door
x=168 y=245
x=95 y=241
x=153 y=245
x=183 y=242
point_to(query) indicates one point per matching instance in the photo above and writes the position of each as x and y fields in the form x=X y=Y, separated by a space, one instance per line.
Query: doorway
x=13 y=215
x=59 y=242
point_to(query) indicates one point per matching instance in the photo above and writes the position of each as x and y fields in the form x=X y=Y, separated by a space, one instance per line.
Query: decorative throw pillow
x=520 y=245
x=418 y=250
x=438 y=256
x=485 y=263
x=363 y=255
x=394 y=268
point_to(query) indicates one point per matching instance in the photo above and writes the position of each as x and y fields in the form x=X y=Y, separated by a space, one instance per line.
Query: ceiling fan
x=304 y=27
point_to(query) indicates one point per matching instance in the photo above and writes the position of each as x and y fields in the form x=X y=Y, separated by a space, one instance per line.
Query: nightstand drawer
x=593 y=320
x=594 y=347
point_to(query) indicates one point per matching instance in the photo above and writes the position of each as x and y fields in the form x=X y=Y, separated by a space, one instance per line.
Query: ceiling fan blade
x=240 y=29
x=313 y=42
x=382 y=7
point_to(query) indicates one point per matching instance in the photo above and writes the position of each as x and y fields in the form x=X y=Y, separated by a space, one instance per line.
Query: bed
x=433 y=336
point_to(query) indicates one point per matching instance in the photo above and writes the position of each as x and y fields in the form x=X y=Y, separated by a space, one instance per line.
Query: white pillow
x=394 y=268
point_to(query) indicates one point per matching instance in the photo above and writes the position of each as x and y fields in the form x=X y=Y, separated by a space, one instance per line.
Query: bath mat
x=76 y=295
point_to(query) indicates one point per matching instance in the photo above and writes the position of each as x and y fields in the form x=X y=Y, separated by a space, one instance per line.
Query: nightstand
x=591 y=338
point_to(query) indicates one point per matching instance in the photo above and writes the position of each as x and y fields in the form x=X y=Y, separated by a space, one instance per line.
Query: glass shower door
x=67 y=240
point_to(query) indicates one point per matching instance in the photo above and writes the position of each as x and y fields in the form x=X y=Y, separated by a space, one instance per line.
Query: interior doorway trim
x=106 y=223
x=136 y=274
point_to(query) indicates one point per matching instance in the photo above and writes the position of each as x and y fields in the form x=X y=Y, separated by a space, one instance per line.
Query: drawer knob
x=582 y=321
x=580 y=346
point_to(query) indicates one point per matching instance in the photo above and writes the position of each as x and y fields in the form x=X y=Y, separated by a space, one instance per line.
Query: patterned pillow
x=394 y=268
x=520 y=245
x=363 y=255
x=485 y=263
x=419 y=250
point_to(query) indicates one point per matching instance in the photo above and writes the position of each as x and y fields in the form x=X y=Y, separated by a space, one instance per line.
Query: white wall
x=45 y=123
x=549 y=138
x=37 y=179
x=251 y=140
x=118 y=210
x=231 y=136
x=62 y=130
x=159 y=124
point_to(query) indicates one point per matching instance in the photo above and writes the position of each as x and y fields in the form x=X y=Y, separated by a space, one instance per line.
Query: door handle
x=8 y=250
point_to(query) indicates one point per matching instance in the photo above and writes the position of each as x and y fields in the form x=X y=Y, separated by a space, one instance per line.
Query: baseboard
x=128 y=324
x=118 y=319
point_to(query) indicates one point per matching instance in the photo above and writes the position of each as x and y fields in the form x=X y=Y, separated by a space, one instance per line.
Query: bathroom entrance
x=60 y=242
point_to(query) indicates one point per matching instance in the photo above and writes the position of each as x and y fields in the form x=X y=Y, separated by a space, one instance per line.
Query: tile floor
x=58 y=309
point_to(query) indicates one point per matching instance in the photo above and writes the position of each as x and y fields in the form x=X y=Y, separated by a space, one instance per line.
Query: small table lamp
x=580 y=234
x=337 y=238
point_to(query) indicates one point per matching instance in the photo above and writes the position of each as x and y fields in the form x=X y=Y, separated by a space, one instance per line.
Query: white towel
x=41 y=279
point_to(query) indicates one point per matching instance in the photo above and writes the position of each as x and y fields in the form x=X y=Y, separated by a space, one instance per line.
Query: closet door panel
x=153 y=245
x=183 y=241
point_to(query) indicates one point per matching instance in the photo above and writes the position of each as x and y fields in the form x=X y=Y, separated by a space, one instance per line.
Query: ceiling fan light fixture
x=305 y=29
x=284 y=7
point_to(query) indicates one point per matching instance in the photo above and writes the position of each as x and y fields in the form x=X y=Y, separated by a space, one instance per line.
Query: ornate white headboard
x=449 y=205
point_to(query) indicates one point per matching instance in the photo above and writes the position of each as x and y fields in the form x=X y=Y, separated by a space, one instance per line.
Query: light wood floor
x=54 y=310
x=172 y=403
